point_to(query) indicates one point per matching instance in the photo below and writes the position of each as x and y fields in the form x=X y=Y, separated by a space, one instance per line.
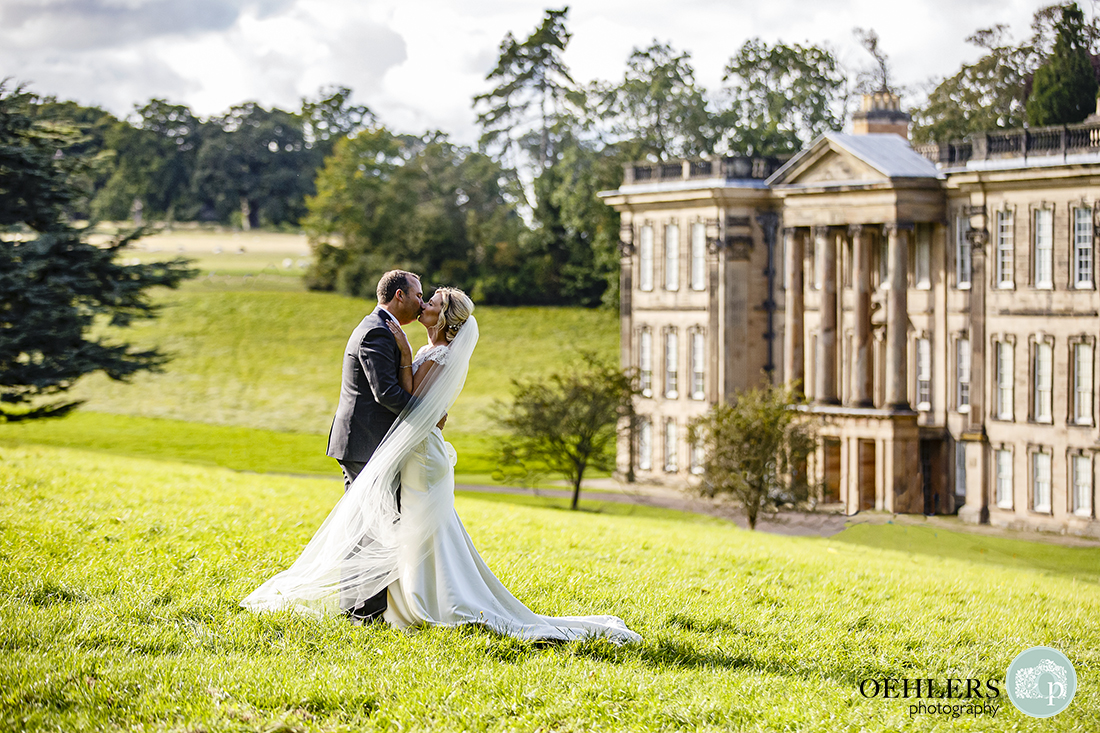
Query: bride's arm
x=422 y=373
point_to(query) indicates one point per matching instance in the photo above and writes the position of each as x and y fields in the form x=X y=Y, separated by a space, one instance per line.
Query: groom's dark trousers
x=371 y=398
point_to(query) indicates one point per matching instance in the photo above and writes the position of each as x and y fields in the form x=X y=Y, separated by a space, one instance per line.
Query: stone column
x=897 y=316
x=825 y=243
x=794 y=359
x=862 y=376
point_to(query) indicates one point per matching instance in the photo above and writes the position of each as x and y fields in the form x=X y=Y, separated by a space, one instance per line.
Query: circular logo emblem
x=1041 y=682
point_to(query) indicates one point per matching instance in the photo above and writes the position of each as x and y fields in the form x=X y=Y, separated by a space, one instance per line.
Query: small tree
x=756 y=449
x=565 y=423
x=1064 y=89
x=54 y=285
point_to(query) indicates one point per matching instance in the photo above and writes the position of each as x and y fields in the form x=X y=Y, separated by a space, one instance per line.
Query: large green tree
x=533 y=91
x=658 y=110
x=421 y=203
x=55 y=286
x=779 y=97
x=1064 y=88
x=257 y=164
x=988 y=94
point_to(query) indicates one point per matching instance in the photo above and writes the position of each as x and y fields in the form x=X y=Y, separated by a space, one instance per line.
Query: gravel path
x=801 y=524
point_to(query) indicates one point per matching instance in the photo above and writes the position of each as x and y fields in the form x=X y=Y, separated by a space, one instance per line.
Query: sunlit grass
x=119 y=583
x=270 y=359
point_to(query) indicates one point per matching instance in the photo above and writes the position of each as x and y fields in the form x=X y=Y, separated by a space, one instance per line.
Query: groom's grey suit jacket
x=370 y=396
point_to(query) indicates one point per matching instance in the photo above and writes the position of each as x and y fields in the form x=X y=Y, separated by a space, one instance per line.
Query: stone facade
x=940 y=312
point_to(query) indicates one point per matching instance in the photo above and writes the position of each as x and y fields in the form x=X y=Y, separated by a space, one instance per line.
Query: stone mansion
x=938 y=304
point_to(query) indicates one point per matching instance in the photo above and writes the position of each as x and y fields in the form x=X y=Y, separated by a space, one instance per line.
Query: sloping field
x=120 y=581
x=270 y=359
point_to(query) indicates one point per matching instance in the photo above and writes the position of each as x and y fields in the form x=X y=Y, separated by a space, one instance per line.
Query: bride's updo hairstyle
x=454 y=308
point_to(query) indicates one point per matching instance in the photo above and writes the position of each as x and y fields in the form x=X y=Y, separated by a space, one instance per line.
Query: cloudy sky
x=418 y=63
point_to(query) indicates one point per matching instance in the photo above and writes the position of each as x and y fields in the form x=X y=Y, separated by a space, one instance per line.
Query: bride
x=412 y=543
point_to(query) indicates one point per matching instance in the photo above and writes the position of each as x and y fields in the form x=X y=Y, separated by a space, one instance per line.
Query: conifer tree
x=1064 y=89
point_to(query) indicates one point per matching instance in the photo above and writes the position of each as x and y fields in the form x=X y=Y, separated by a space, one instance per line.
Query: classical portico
x=850 y=206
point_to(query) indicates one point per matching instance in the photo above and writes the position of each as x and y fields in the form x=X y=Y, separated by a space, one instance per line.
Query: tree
x=989 y=94
x=1064 y=89
x=54 y=286
x=876 y=79
x=423 y=204
x=565 y=423
x=533 y=91
x=331 y=117
x=779 y=98
x=658 y=110
x=577 y=230
x=755 y=449
x=257 y=164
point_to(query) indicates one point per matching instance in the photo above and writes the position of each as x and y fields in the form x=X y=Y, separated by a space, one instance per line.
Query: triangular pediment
x=832 y=165
x=836 y=159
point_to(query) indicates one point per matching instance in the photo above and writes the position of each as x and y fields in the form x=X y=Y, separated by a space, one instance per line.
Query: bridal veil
x=357 y=550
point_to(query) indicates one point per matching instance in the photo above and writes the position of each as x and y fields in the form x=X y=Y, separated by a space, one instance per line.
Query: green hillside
x=121 y=577
x=268 y=359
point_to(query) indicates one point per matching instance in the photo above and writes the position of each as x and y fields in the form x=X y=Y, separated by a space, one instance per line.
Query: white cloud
x=418 y=63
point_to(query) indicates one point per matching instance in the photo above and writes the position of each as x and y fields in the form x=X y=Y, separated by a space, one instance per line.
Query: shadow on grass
x=662 y=652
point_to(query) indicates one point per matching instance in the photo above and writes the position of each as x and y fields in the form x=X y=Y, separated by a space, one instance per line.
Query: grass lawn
x=228 y=446
x=120 y=580
x=269 y=359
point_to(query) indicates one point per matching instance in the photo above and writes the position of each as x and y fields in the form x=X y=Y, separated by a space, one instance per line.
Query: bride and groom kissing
x=393 y=549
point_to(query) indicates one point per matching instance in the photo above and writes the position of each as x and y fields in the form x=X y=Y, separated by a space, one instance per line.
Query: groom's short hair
x=393 y=281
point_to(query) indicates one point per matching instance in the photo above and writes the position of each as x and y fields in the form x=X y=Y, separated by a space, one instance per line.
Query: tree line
x=516 y=219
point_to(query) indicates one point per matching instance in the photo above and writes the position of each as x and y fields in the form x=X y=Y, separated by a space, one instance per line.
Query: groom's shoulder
x=372 y=324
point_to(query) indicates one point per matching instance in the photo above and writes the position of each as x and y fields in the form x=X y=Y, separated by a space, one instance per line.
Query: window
x=1082 y=247
x=645 y=259
x=1005 y=359
x=924 y=374
x=962 y=375
x=698 y=360
x=922 y=276
x=1082 y=485
x=671 y=365
x=1043 y=381
x=1082 y=383
x=698 y=456
x=962 y=253
x=645 y=362
x=1040 y=482
x=1003 y=467
x=1044 y=249
x=671 y=447
x=672 y=257
x=645 y=444
x=1005 y=274
x=698 y=256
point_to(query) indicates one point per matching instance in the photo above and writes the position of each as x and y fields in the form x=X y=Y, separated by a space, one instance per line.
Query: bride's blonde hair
x=454 y=308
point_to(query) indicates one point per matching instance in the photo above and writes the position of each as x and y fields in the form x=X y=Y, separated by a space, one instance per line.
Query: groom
x=371 y=396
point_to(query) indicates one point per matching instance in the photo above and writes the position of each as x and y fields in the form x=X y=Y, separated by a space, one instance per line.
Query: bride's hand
x=402 y=343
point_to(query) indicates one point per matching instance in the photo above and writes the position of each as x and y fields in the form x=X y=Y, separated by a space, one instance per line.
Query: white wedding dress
x=445 y=582
x=420 y=554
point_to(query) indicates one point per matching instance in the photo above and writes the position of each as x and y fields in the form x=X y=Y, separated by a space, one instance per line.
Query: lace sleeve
x=438 y=355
